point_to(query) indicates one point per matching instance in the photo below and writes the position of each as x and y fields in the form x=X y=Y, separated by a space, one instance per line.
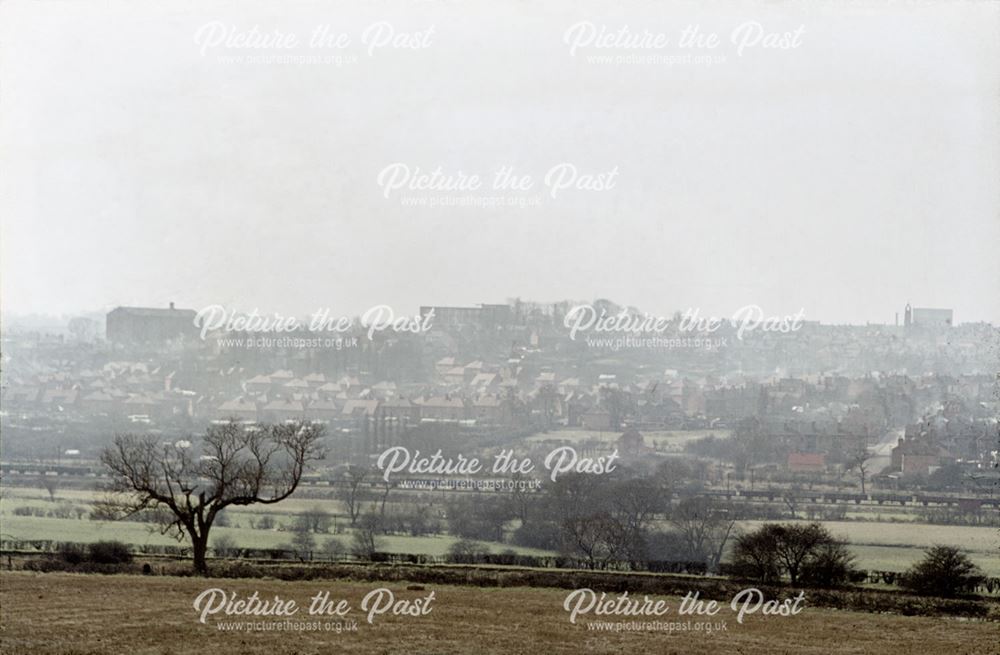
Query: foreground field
x=63 y=614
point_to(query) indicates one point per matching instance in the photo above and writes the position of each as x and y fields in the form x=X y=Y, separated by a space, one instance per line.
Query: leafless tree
x=520 y=498
x=596 y=538
x=386 y=489
x=51 y=485
x=633 y=504
x=303 y=542
x=240 y=465
x=791 y=500
x=705 y=527
x=367 y=537
x=352 y=493
x=858 y=461
x=334 y=549
x=313 y=520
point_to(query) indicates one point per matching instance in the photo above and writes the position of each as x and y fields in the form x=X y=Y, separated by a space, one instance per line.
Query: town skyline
x=895 y=316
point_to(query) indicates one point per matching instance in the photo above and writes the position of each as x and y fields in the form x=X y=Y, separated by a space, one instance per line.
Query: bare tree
x=596 y=538
x=705 y=527
x=520 y=498
x=858 y=461
x=386 y=489
x=303 y=542
x=313 y=520
x=547 y=397
x=334 y=549
x=633 y=504
x=791 y=500
x=351 y=493
x=51 y=484
x=367 y=538
x=479 y=517
x=775 y=548
x=240 y=465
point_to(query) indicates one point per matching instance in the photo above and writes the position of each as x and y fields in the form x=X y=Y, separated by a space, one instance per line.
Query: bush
x=367 y=540
x=755 y=557
x=544 y=535
x=831 y=566
x=466 y=551
x=303 y=543
x=109 y=552
x=72 y=553
x=807 y=554
x=334 y=549
x=225 y=546
x=944 y=571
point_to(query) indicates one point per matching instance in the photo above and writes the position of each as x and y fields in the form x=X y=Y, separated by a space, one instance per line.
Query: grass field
x=895 y=546
x=25 y=528
x=63 y=614
x=86 y=531
x=888 y=546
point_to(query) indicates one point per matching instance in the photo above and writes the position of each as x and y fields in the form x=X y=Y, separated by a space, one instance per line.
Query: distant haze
x=848 y=176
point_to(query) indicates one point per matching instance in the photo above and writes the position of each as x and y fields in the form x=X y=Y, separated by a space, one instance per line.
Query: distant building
x=483 y=316
x=806 y=462
x=446 y=408
x=917 y=456
x=926 y=317
x=143 y=325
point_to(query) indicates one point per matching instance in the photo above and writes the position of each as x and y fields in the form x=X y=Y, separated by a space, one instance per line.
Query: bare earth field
x=82 y=614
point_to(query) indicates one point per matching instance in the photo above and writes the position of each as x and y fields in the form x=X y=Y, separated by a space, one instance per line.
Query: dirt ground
x=81 y=614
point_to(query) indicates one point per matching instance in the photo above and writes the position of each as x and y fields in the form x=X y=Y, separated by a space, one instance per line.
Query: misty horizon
x=847 y=176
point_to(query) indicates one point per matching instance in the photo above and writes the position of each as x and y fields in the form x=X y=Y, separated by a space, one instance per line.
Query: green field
x=895 y=546
x=885 y=546
x=30 y=528
x=85 y=531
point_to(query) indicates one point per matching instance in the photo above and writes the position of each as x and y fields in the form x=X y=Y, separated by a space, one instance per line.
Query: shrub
x=109 y=552
x=805 y=553
x=72 y=553
x=334 y=549
x=944 y=571
x=367 y=540
x=303 y=543
x=831 y=566
x=755 y=557
x=225 y=546
x=544 y=535
x=466 y=551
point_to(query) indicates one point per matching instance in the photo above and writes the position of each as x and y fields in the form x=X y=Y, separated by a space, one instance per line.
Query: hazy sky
x=845 y=176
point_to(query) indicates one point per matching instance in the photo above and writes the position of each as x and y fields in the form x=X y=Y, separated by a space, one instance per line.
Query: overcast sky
x=859 y=170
